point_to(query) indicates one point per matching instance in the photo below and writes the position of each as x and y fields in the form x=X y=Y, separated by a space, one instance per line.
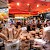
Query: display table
x=14 y=45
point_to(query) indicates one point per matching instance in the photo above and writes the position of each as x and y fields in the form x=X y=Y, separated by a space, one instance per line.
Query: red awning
x=34 y=7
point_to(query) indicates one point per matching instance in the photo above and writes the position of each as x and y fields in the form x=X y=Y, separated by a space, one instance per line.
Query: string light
x=18 y=4
x=38 y=5
x=9 y=7
x=28 y=4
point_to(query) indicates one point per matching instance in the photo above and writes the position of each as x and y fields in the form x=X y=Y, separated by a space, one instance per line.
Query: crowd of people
x=32 y=29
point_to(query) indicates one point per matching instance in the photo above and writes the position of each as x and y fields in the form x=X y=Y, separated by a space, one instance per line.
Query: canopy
x=28 y=6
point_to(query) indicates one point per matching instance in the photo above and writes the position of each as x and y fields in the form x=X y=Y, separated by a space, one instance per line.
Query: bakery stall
x=12 y=38
x=18 y=38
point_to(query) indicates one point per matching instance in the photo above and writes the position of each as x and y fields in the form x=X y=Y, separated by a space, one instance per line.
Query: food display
x=26 y=38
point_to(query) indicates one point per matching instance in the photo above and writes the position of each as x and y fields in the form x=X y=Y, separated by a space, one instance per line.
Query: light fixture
x=19 y=17
x=28 y=4
x=38 y=5
x=18 y=4
x=9 y=7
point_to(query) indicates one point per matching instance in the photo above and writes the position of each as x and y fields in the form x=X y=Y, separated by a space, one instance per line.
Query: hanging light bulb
x=38 y=5
x=9 y=7
x=28 y=4
x=18 y=4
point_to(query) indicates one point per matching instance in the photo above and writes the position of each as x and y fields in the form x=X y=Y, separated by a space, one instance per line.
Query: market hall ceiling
x=35 y=6
x=28 y=0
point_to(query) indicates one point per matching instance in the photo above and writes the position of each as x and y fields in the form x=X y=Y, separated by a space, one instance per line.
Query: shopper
x=46 y=32
x=39 y=24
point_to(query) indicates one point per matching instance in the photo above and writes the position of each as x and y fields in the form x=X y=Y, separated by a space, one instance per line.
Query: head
x=38 y=21
x=33 y=21
x=46 y=33
x=48 y=23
